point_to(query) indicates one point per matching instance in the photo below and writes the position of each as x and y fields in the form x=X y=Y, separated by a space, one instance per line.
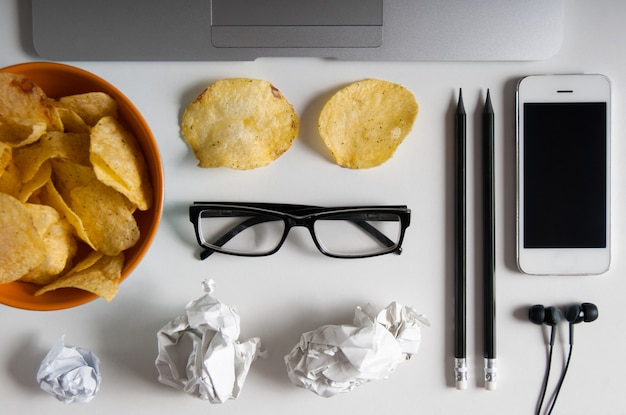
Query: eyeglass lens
x=242 y=233
x=362 y=234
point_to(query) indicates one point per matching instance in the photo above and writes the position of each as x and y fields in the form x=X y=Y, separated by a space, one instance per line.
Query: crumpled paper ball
x=199 y=352
x=335 y=359
x=70 y=374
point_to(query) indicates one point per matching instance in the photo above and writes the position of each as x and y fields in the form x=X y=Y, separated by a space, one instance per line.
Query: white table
x=298 y=289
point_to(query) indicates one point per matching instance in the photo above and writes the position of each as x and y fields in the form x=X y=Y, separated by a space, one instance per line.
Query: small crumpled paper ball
x=71 y=374
x=335 y=359
x=199 y=352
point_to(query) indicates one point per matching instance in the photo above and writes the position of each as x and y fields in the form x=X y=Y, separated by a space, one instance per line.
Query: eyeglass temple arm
x=260 y=219
x=232 y=233
x=376 y=234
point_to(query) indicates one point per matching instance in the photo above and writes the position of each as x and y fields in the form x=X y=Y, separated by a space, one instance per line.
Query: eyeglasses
x=260 y=229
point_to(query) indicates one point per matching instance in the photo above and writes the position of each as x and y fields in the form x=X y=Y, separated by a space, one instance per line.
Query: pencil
x=489 y=243
x=460 y=361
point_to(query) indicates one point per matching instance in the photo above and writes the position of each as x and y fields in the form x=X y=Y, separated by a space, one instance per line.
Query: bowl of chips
x=81 y=187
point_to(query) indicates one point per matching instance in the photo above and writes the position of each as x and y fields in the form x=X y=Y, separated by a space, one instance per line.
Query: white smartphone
x=563 y=174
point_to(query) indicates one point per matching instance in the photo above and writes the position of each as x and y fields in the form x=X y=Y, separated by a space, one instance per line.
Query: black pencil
x=460 y=361
x=489 y=243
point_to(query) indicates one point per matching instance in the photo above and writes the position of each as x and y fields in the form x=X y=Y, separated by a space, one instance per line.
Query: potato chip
x=56 y=144
x=60 y=245
x=20 y=98
x=118 y=162
x=363 y=124
x=67 y=175
x=101 y=277
x=21 y=247
x=239 y=123
x=102 y=213
x=38 y=181
x=86 y=262
x=18 y=132
x=11 y=180
x=109 y=223
x=50 y=196
x=90 y=107
x=72 y=123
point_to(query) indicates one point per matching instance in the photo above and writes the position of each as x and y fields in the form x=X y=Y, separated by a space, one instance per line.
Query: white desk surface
x=298 y=289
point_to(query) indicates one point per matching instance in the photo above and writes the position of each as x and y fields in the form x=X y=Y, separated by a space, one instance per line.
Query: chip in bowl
x=59 y=244
x=21 y=246
x=23 y=99
x=364 y=123
x=52 y=145
x=90 y=107
x=97 y=273
x=118 y=162
x=18 y=132
x=239 y=123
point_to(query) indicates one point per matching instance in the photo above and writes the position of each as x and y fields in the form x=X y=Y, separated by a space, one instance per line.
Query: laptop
x=361 y=30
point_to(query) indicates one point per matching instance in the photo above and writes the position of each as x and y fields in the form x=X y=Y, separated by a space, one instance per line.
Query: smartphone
x=563 y=174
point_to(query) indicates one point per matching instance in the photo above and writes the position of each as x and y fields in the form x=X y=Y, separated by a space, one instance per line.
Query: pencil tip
x=460 y=108
x=488 y=106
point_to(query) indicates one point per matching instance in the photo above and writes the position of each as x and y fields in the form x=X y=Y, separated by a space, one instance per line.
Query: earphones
x=552 y=316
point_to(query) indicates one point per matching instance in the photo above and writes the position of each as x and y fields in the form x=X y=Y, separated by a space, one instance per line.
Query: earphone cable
x=560 y=384
x=547 y=373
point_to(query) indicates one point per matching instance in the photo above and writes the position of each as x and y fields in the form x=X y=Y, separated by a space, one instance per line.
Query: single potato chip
x=72 y=123
x=50 y=196
x=98 y=211
x=56 y=144
x=363 y=124
x=20 y=98
x=18 y=132
x=60 y=245
x=101 y=277
x=11 y=180
x=239 y=123
x=118 y=162
x=90 y=106
x=105 y=214
x=67 y=175
x=87 y=262
x=39 y=180
x=21 y=246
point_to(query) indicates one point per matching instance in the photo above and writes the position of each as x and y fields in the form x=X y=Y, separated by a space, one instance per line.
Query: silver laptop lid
x=404 y=30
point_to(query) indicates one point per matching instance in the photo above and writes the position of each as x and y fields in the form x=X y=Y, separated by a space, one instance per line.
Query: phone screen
x=565 y=181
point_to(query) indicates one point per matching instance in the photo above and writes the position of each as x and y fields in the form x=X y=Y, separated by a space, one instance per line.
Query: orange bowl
x=58 y=80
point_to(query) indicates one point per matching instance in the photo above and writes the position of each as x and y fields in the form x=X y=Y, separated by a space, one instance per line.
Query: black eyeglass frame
x=300 y=215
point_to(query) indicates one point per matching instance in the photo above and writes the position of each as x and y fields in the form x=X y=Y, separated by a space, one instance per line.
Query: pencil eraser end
x=460 y=373
x=490 y=374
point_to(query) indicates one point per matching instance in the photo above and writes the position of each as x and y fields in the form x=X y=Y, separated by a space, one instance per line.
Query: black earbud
x=551 y=316
x=585 y=312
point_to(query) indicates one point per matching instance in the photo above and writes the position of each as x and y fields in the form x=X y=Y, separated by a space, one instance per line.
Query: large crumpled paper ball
x=199 y=351
x=335 y=359
x=71 y=374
